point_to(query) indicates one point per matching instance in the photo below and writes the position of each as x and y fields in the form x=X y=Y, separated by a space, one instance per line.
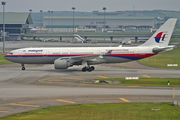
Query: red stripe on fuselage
x=139 y=55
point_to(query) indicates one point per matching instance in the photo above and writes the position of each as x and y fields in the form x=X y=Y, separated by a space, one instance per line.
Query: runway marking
x=55 y=79
x=47 y=82
x=84 y=85
x=72 y=78
x=119 y=64
x=146 y=76
x=23 y=105
x=3 y=104
x=4 y=111
x=124 y=100
x=102 y=76
x=133 y=86
x=65 y=101
x=94 y=98
x=38 y=100
x=34 y=101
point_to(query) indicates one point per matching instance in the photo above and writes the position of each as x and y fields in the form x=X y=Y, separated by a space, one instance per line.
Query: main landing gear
x=23 y=68
x=84 y=69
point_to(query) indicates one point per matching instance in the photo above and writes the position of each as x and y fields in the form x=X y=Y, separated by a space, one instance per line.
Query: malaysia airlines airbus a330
x=64 y=57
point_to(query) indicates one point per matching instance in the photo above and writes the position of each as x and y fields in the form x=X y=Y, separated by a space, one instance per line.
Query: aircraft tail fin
x=162 y=36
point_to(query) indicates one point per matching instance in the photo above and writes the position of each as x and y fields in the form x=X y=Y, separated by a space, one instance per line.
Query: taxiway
x=41 y=86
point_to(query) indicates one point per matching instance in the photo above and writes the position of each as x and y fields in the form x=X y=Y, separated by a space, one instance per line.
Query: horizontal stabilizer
x=158 y=50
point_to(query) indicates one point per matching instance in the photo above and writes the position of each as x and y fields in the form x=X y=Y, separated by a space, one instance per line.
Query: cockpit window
x=10 y=53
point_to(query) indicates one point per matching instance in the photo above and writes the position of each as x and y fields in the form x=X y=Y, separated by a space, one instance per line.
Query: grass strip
x=175 y=40
x=146 y=81
x=117 y=111
x=3 y=60
x=161 y=60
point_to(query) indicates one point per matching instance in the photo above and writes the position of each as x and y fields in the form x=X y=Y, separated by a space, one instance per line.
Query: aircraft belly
x=98 y=61
x=116 y=59
x=15 y=59
x=108 y=59
x=33 y=60
x=40 y=60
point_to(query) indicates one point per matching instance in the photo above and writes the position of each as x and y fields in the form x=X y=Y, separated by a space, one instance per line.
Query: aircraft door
x=45 y=54
x=136 y=51
x=19 y=52
x=98 y=52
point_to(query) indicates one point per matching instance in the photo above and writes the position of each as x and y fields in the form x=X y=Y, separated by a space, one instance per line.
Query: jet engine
x=61 y=64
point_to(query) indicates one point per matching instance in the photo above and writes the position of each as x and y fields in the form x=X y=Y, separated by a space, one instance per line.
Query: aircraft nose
x=6 y=57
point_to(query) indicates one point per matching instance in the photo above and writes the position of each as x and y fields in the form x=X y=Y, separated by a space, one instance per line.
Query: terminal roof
x=16 y=18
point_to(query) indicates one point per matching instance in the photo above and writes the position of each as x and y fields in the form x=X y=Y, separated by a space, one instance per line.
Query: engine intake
x=61 y=64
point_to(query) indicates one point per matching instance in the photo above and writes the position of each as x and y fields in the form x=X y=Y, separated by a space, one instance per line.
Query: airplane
x=64 y=57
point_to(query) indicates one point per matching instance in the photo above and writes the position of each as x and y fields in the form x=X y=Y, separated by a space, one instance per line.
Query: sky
x=89 y=5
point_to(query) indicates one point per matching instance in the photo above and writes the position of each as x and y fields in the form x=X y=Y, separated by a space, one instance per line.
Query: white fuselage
x=49 y=55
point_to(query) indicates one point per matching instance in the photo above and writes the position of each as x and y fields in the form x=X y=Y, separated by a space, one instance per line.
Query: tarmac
x=41 y=86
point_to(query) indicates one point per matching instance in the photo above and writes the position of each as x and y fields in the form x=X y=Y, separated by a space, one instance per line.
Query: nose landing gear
x=23 y=68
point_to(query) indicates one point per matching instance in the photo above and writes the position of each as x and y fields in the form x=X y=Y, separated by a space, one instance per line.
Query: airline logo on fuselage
x=35 y=50
x=160 y=37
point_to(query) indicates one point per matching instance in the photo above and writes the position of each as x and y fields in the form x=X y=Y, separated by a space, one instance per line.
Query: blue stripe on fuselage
x=126 y=57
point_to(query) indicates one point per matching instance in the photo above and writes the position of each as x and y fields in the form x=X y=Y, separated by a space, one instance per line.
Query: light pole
x=41 y=20
x=73 y=8
x=30 y=10
x=3 y=3
x=104 y=8
x=49 y=20
x=82 y=20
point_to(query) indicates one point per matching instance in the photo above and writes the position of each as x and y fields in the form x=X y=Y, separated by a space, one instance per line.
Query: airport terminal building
x=96 y=23
x=16 y=24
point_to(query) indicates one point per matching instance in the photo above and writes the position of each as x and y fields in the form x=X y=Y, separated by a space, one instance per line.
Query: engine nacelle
x=61 y=64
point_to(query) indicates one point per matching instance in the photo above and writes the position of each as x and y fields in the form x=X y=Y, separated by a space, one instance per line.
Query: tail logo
x=160 y=37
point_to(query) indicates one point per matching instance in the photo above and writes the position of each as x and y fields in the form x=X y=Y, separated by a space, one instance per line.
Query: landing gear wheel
x=92 y=68
x=23 y=68
x=84 y=69
x=89 y=69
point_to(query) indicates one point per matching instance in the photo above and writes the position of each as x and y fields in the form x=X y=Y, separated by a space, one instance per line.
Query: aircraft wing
x=162 y=49
x=86 y=57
